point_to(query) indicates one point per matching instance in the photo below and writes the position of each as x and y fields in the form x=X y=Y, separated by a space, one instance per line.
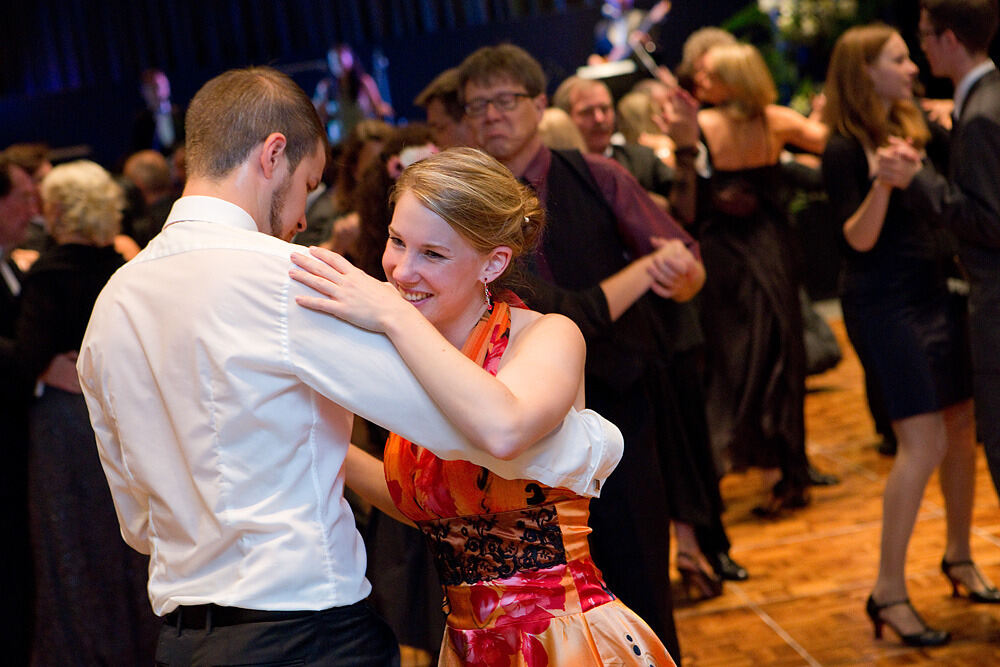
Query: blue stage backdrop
x=69 y=69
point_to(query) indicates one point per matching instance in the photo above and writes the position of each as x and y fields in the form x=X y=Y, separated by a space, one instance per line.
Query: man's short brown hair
x=563 y=97
x=974 y=22
x=237 y=110
x=490 y=64
x=443 y=88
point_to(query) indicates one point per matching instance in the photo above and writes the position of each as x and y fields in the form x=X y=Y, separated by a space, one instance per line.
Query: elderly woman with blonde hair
x=91 y=606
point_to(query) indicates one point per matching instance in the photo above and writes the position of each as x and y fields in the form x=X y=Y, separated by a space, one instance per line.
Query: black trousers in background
x=352 y=636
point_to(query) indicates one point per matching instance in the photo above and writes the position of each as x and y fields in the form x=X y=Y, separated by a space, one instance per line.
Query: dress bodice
x=484 y=530
x=513 y=555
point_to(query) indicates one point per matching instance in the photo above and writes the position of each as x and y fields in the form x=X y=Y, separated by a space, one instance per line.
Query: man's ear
x=271 y=152
x=948 y=39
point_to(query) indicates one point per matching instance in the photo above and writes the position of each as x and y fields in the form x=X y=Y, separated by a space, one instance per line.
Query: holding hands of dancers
x=677 y=274
x=898 y=162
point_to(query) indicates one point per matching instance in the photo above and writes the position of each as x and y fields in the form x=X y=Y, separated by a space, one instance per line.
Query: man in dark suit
x=18 y=204
x=955 y=35
x=589 y=104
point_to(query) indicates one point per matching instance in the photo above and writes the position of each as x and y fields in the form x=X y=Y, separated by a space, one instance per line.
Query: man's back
x=238 y=461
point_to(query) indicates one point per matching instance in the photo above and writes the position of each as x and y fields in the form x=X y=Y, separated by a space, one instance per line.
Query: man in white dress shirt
x=223 y=410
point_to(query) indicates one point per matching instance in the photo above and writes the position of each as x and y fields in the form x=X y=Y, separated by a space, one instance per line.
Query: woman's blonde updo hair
x=86 y=203
x=743 y=72
x=478 y=197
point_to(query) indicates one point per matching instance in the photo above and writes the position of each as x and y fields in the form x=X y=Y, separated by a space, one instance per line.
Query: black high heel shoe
x=989 y=594
x=698 y=584
x=926 y=637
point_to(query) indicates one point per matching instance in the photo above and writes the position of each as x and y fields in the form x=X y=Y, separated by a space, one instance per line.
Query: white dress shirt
x=223 y=412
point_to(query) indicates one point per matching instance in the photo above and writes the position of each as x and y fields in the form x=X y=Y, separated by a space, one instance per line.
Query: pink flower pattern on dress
x=499 y=337
x=526 y=601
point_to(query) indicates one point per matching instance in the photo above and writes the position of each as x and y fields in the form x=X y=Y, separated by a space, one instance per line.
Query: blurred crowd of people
x=668 y=242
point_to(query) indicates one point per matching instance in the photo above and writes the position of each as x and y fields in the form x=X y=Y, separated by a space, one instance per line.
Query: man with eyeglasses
x=600 y=228
x=955 y=35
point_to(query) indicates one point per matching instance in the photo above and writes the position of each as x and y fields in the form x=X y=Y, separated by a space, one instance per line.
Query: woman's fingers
x=318 y=303
x=315 y=266
x=329 y=257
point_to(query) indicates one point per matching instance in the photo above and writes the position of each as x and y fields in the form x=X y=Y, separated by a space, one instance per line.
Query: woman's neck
x=457 y=331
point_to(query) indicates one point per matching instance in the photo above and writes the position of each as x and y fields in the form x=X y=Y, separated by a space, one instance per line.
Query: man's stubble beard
x=277 y=206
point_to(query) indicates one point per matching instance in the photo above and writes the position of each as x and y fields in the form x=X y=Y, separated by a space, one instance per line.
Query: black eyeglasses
x=501 y=102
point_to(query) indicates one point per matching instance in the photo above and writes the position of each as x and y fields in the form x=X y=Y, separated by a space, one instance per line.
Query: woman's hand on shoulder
x=348 y=292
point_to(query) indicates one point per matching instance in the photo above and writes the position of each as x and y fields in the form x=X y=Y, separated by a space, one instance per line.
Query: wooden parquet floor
x=811 y=571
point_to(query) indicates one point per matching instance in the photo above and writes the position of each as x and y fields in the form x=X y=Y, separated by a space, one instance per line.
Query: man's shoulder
x=199 y=236
x=634 y=151
x=984 y=99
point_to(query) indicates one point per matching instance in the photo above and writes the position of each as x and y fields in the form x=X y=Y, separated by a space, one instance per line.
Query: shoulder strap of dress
x=488 y=340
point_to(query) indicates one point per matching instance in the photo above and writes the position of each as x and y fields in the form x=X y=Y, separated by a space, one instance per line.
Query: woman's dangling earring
x=489 y=295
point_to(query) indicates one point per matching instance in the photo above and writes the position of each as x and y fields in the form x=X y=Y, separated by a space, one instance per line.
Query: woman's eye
x=434 y=255
x=396 y=241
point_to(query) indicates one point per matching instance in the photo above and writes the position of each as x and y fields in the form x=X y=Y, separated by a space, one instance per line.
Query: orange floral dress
x=520 y=586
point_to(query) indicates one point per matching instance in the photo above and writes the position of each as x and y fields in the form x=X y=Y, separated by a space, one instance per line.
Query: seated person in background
x=445 y=114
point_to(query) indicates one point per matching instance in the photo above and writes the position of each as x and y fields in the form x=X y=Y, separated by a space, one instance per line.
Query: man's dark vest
x=582 y=247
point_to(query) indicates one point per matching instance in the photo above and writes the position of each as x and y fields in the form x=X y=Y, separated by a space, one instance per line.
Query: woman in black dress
x=751 y=316
x=907 y=329
x=91 y=605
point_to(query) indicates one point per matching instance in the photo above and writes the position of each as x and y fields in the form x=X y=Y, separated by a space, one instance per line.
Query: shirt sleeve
x=131 y=501
x=639 y=218
x=362 y=372
x=970 y=202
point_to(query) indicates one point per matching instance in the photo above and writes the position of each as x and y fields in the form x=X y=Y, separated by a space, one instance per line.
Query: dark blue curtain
x=58 y=45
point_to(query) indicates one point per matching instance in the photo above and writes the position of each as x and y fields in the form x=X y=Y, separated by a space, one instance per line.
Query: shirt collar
x=968 y=81
x=210 y=209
